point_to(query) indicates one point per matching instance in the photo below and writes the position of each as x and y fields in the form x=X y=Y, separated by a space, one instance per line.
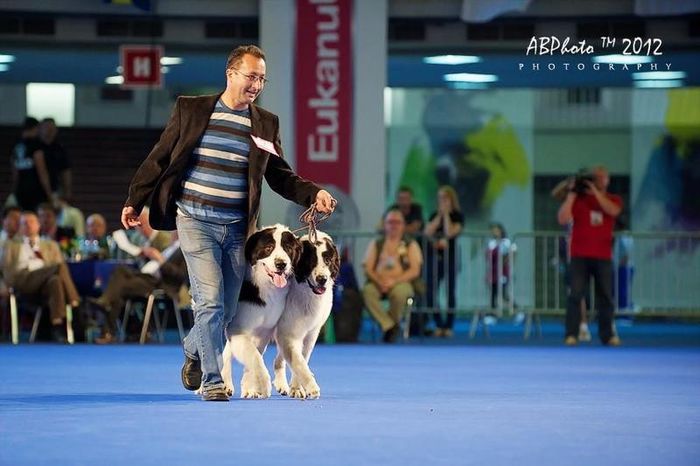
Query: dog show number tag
x=265 y=145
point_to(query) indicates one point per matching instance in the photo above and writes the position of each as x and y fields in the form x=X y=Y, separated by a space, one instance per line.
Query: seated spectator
x=10 y=224
x=137 y=243
x=49 y=228
x=391 y=263
x=166 y=270
x=34 y=267
x=96 y=244
x=10 y=228
x=412 y=212
x=70 y=217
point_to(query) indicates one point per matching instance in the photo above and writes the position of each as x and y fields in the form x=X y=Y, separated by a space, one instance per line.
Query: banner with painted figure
x=666 y=197
x=478 y=142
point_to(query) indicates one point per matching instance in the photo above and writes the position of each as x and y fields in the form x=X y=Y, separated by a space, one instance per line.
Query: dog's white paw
x=282 y=387
x=312 y=390
x=230 y=390
x=297 y=391
x=253 y=395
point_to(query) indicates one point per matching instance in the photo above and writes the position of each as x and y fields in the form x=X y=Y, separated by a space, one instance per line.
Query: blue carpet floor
x=384 y=405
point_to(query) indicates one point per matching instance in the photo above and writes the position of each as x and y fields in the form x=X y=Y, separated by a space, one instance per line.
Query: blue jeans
x=216 y=266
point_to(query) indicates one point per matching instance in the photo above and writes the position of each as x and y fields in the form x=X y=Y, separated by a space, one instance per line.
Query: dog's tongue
x=279 y=280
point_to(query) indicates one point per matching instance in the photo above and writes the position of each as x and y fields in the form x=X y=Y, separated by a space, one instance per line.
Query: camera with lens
x=580 y=186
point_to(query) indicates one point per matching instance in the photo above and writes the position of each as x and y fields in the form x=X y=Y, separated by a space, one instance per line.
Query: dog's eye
x=268 y=249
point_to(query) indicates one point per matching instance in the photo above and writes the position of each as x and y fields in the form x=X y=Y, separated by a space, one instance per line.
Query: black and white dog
x=308 y=305
x=272 y=254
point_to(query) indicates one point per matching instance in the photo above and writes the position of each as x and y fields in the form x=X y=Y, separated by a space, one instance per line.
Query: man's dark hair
x=7 y=210
x=405 y=189
x=236 y=56
x=30 y=123
x=48 y=120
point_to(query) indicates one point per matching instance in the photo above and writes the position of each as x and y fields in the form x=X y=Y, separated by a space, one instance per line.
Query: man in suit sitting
x=166 y=270
x=35 y=268
x=142 y=243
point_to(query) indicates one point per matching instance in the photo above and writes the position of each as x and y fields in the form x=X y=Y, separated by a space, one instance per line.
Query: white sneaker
x=583 y=333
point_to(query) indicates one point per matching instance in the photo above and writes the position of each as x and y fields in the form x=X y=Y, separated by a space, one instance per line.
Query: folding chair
x=14 y=320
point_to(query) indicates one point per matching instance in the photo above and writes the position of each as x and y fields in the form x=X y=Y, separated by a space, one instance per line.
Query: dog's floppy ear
x=307 y=262
x=292 y=245
x=334 y=262
x=253 y=243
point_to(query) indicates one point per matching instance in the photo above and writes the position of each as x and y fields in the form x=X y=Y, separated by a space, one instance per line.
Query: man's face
x=29 y=225
x=47 y=219
x=601 y=179
x=394 y=224
x=404 y=200
x=11 y=222
x=243 y=80
x=96 y=227
x=47 y=131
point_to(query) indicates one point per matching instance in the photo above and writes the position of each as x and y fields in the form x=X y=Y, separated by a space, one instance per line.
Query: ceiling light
x=659 y=83
x=171 y=61
x=164 y=69
x=623 y=59
x=114 y=80
x=659 y=75
x=470 y=77
x=451 y=59
x=4 y=67
x=7 y=58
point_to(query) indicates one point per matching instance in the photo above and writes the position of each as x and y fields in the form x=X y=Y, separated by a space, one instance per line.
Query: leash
x=308 y=218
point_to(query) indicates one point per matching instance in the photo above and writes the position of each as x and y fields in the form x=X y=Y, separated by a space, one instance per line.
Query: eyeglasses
x=251 y=77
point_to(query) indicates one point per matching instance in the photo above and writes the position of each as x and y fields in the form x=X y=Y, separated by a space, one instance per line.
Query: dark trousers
x=51 y=285
x=437 y=268
x=581 y=269
x=124 y=283
x=494 y=295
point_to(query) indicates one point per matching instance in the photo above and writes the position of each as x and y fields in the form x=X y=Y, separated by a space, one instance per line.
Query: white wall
x=277 y=28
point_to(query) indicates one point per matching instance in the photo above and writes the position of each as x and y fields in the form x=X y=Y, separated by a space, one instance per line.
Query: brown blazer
x=159 y=178
x=49 y=249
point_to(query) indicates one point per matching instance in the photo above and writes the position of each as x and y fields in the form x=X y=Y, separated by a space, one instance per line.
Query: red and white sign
x=141 y=65
x=324 y=91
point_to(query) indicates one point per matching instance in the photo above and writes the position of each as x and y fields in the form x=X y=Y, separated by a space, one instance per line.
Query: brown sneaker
x=105 y=339
x=191 y=374
x=614 y=341
x=215 y=394
x=570 y=341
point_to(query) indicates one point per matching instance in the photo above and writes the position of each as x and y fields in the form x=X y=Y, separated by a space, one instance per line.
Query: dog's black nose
x=321 y=280
x=280 y=264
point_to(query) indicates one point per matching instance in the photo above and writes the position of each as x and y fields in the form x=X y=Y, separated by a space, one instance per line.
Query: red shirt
x=592 y=231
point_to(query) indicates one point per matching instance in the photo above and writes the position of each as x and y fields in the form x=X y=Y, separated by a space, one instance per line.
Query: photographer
x=592 y=211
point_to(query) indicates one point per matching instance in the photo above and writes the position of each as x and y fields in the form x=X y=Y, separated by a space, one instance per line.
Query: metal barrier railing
x=655 y=273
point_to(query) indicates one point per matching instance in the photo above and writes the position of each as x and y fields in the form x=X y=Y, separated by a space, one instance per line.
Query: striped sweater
x=215 y=186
